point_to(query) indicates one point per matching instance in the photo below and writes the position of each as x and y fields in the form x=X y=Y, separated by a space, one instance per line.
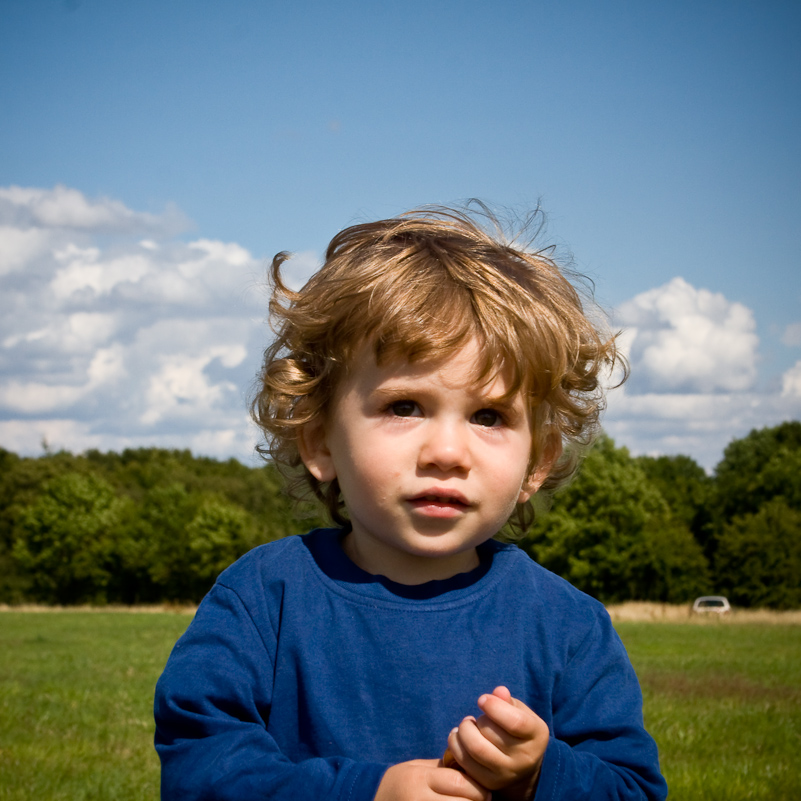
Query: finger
x=472 y=749
x=495 y=734
x=455 y=784
x=512 y=716
x=484 y=775
x=503 y=693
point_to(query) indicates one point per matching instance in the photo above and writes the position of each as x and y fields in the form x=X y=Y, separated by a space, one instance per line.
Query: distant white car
x=712 y=603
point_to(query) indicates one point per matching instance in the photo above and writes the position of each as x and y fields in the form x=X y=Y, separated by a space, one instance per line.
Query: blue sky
x=662 y=140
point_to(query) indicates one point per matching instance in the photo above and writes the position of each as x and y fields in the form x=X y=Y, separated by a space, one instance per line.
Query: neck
x=406 y=568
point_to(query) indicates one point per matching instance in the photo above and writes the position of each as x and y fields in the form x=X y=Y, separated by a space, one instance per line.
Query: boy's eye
x=403 y=408
x=487 y=418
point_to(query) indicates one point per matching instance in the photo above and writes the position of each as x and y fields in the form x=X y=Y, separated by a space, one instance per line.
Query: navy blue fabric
x=303 y=677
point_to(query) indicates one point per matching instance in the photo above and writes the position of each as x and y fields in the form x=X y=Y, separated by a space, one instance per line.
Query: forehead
x=463 y=370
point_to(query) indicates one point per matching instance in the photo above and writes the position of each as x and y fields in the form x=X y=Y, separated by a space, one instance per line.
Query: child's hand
x=427 y=780
x=503 y=749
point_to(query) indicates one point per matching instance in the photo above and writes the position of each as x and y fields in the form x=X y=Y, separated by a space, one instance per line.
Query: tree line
x=152 y=525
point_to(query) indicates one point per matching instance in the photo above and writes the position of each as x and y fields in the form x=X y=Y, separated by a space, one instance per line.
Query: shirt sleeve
x=212 y=707
x=599 y=748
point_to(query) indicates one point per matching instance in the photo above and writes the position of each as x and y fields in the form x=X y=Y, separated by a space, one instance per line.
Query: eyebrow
x=503 y=403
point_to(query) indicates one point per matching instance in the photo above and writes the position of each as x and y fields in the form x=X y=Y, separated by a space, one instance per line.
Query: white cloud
x=791 y=382
x=694 y=357
x=28 y=436
x=114 y=333
x=698 y=425
x=19 y=246
x=35 y=397
x=85 y=269
x=792 y=335
x=180 y=387
x=691 y=340
x=300 y=268
x=109 y=341
x=62 y=207
x=70 y=333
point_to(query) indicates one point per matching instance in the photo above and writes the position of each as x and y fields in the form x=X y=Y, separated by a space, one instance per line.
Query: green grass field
x=76 y=696
x=724 y=704
x=722 y=701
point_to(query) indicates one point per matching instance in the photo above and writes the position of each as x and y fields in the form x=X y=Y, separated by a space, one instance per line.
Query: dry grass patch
x=649 y=611
x=628 y=612
x=179 y=609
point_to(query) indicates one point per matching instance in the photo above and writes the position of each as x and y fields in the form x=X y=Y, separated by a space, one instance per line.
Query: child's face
x=431 y=463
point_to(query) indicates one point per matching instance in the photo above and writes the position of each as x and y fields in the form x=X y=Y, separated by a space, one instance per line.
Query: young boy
x=423 y=384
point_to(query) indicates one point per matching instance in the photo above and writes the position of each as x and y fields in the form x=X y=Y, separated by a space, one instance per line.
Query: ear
x=315 y=453
x=551 y=454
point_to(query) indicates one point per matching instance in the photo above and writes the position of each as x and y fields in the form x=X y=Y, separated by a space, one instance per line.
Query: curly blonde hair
x=419 y=287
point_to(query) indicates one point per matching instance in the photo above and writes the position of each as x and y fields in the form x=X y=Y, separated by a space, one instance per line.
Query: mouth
x=440 y=503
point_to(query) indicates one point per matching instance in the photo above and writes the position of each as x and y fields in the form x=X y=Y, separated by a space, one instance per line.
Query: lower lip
x=438 y=509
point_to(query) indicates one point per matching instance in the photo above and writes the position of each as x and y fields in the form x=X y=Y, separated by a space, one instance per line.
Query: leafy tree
x=759 y=557
x=687 y=489
x=761 y=466
x=151 y=524
x=611 y=534
x=219 y=533
x=259 y=490
x=757 y=491
x=160 y=554
x=64 y=539
x=180 y=541
x=21 y=481
x=167 y=502
x=672 y=566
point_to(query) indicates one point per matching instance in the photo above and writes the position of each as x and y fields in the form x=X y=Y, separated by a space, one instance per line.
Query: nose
x=445 y=446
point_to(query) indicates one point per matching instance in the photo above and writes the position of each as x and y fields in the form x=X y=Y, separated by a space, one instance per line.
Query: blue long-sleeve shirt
x=303 y=677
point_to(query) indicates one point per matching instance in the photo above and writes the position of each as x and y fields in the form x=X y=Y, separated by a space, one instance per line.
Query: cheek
x=511 y=477
x=380 y=476
x=363 y=467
